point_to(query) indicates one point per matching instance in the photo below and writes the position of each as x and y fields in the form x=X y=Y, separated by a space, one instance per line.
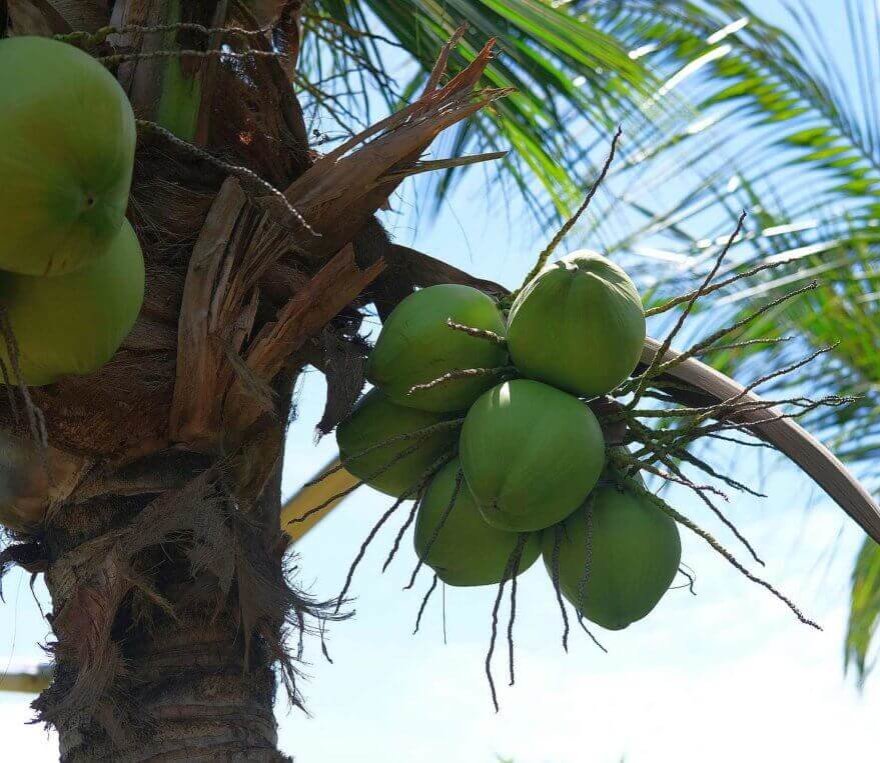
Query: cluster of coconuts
x=530 y=477
x=71 y=267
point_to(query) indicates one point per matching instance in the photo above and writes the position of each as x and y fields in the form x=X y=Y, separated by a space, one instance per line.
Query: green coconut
x=635 y=553
x=74 y=323
x=67 y=141
x=579 y=325
x=375 y=420
x=466 y=551
x=417 y=346
x=530 y=454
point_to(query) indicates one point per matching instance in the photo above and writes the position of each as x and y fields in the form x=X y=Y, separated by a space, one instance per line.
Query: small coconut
x=67 y=141
x=74 y=323
x=466 y=550
x=635 y=551
x=376 y=420
x=579 y=325
x=417 y=346
x=530 y=454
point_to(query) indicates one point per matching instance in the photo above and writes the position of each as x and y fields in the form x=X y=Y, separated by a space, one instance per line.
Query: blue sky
x=728 y=675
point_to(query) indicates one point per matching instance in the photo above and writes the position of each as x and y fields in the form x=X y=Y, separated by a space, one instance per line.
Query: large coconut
x=417 y=346
x=579 y=325
x=376 y=420
x=67 y=141
x=466 y=550
x=635 y=551
x=530 y=454
x=73 y=324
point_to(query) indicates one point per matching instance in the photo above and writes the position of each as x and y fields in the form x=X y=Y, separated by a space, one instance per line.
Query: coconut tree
x=148 y=492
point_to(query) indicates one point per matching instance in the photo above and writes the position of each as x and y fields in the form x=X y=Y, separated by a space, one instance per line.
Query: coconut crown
x=417 y=346
x=635 y=551
x=465 y=550
x=578 y=325
x=68 y=135
x=73 y=324
x=376 y=419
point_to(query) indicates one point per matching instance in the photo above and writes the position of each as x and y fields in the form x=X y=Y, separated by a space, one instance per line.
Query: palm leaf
x=559 y=65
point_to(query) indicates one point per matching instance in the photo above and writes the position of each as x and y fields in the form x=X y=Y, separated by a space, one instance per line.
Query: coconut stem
x=570 y=223
x=489 y=336
x=417 y=434
x=233 y=169
x=691 y=578
x=463 y=373
x=459 y=478
x=554 y=565
x=731 y=559
x=424 y=604
x=657 y=360
x=509 y=573
x=100 y=36
x=414 y=489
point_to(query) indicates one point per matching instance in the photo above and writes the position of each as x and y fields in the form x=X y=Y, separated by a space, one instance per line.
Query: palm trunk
x=159 y=686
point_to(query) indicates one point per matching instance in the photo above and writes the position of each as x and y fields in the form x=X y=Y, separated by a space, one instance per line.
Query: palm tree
x=151 y=498
x=158 y=526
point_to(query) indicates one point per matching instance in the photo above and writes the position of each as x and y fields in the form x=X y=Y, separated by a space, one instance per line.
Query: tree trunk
x=182 y=686
x=151 y=500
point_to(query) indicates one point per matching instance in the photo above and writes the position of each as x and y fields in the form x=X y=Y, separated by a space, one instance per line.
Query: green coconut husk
x=397 y=465
x=453 y=539
x=530 y=454
x=615 y=557
x=579 y=325
x=417 y=346
x=68 y=134
x=73 y=324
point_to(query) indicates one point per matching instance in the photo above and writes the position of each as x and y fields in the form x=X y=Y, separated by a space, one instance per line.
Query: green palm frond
x=864 y=614
x=788 y=128
x=559 y=65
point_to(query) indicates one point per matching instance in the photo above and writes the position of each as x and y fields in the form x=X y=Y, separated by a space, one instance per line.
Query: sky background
x=728 y=675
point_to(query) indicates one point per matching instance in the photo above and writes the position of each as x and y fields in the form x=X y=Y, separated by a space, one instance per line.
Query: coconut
x=579 y=325
x=67 y=134
x=73 y=324
x=417 y=346
x=465 y=551
x=375 y=420
x=530 y=454
x=635 y=551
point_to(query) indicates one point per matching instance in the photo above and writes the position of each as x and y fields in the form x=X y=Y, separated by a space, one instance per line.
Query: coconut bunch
x=484 y=415
x=71 y=267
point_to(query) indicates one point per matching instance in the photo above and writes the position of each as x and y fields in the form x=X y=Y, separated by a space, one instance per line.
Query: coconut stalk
x=148 y=493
